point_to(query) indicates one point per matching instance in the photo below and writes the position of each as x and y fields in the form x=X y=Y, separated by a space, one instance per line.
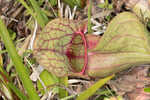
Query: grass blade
x=89 y=17
x=19 y=66
x=40 y=16
x=17 y=92
x=90 y=91
x=27 y=7
x=9 y=84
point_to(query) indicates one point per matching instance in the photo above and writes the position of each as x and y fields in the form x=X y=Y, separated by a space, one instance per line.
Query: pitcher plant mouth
x=71 y=55
x=57 y=43
x=65 y=48
x=81 y=33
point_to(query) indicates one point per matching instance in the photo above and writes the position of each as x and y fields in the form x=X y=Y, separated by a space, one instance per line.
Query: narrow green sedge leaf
x=20 y=68
x=11 y=85
x=17 y=92
x=40 y=16
x=90 y=91
x=27 y=7
x=53 y=2
x=89 y=17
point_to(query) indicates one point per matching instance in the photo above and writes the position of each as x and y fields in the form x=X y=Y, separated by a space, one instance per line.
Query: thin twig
x=33 y=36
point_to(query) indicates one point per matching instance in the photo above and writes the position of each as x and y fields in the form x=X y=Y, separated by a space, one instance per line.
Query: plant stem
x=89 y=17
x=20 y=68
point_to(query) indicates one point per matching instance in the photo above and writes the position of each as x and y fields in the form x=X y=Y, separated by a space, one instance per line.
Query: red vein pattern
x=60 y=40
x=124 y=44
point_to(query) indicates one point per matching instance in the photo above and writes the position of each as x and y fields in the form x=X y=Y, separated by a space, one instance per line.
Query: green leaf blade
x=90 y=91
